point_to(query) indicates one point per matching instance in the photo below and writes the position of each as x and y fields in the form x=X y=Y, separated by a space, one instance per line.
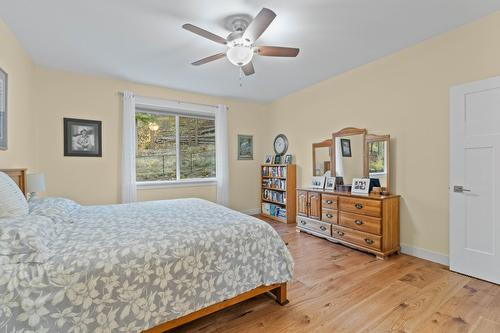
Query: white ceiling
x=142 y=41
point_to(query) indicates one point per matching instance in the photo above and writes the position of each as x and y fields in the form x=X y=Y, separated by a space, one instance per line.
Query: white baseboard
x=253 y=211
x=425 y=254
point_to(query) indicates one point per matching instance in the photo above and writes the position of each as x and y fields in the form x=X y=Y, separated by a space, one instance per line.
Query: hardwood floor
x=336 y=289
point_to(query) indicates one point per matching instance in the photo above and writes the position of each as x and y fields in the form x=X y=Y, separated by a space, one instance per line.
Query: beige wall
x=62 y=94
x=406 y=96
x=19 y=67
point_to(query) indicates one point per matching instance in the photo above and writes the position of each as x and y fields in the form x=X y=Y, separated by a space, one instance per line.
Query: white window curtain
x=129 y=186
x=222 y=155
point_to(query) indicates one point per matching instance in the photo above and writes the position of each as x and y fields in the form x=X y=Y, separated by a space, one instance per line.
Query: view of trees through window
x=376 y=155
x=156 y=158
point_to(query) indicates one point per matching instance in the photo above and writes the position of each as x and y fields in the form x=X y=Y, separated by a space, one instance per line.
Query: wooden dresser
x=368 y=223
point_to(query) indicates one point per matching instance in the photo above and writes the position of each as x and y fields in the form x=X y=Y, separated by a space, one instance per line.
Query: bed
x=148 y=266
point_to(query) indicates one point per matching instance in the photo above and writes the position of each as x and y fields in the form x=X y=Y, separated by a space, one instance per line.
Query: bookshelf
x=277 y=195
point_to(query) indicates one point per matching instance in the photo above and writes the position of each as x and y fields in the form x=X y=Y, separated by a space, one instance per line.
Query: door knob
x=460 y=189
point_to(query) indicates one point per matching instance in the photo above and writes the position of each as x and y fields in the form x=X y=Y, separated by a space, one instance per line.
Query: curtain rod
x=121 y=93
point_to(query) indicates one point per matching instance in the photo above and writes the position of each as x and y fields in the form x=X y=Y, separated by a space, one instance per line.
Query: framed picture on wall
x=3 y=110
x=345 y=144
x=245 y=147
x=82 y=137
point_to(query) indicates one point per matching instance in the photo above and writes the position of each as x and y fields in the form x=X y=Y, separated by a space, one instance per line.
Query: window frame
x=177 y=109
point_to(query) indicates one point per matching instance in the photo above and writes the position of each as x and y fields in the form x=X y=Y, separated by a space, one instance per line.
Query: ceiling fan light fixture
x=240 y=55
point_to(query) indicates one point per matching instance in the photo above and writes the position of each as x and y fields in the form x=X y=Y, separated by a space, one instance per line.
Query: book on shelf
x=274 y=171
x=279 y=197
x=273 y=210
x=274 y=183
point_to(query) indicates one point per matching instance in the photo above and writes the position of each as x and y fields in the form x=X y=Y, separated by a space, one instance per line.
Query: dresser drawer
x=360 y=222
x=361 y=206
x=329 y=215
x=357 y=237
x=320 y=227
x=328 y=201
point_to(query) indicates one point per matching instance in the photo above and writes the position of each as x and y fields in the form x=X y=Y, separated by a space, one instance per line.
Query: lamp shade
x=35 y=182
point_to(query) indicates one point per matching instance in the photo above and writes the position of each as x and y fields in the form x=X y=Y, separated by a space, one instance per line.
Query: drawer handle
x=340 y=233
x=323 y=228
x=368 y=241
x=358 y=222
x=303 y=222
x=329 y=202
x=329 y=215
x=358 y=206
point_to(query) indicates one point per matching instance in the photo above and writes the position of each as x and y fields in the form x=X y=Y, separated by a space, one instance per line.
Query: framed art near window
x=245 y=147
x=3 y=110
x=82 y=137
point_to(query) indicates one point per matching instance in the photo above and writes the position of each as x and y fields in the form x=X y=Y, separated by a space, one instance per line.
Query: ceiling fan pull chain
x=241 y=77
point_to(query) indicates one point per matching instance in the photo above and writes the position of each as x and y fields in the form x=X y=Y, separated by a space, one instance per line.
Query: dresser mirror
x=349 y=154
x=321 y=156
x=378 y=158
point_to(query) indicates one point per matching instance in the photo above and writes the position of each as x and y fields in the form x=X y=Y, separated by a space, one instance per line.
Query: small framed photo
x=269 y=159
x=245 y=147
x=345 y=144
x=277 y=159
x=82 y=137
x=288 y=159
x=360 y=185
x=318 y=182
x=330 y=183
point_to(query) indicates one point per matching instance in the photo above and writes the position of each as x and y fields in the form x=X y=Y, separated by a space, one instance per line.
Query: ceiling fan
x=240 y=42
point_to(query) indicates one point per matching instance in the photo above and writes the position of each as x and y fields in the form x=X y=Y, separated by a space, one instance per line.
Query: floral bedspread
x=126 y=268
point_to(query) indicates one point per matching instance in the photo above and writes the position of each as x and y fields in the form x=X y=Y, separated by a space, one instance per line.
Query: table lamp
x=35 y=184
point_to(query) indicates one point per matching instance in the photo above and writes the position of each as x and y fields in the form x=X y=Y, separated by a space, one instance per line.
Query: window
x=174 y=147
x=376 y=157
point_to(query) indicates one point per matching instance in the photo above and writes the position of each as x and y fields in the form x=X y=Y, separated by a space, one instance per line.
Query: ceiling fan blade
x=203 y=33
x=208 y=59
x=259 y=25
x=276 y=51
x=248 y=69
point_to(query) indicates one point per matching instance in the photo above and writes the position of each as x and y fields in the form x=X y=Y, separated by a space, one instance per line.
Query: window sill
x=177 y=183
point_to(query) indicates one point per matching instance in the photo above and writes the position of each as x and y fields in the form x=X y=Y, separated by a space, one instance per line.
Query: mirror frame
x=349 y=131
x=380 y=138
x=322 y=144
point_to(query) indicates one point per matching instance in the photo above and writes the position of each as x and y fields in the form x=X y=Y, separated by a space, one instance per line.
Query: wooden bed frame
x=19 y=177
x=278 y=290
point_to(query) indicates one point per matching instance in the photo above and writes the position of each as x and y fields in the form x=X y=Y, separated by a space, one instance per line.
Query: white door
x=475 y=179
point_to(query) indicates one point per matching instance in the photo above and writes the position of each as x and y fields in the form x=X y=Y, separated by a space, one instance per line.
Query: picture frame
x=330 y=183
x=345 y=145
x=245 y=147
x=318 y=182
x=360 y=186
x=277 y=159
x=269 y=159
x=82 y=137
x=288 y=159
x=3 y=109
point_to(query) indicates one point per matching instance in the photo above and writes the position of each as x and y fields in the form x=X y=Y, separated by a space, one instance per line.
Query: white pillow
x=12 y=201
